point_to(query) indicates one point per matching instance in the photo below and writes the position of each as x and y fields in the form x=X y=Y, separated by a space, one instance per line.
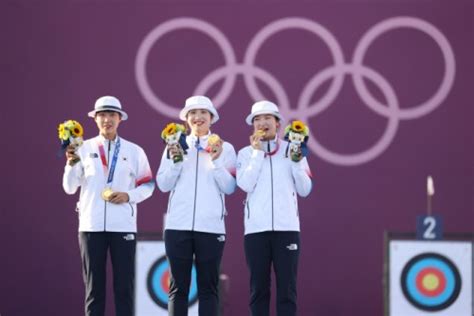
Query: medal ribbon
x=114 y=160
x=271 y=153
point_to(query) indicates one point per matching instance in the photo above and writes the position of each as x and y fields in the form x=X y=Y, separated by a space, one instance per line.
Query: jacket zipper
x=248 y=209
x=131 y=207
x=105 y=202
x=271 y=176
x=223 y=207
x=169 y=202
x=195 y=183
x=296 y=204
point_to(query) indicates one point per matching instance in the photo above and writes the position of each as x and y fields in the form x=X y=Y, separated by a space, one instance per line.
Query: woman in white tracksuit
x=272 y=181
x=194 y=224
x=108 y=223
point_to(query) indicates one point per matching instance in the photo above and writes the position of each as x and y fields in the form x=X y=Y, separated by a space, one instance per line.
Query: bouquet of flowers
x=174 y=135
x=70 y=134
x=297 y=135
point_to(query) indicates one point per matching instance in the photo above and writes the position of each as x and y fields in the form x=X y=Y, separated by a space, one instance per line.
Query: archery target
x=430 y=278
x=430 y=282
x=158 y=281
x=152 y=278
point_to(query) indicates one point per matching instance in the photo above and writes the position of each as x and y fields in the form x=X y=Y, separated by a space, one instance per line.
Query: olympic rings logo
x=337 y=72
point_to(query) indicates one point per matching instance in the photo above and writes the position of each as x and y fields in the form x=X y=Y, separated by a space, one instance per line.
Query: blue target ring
x=431 y=282
x=157 y=283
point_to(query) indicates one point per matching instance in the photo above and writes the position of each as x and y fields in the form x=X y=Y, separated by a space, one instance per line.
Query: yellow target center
x=430 y=282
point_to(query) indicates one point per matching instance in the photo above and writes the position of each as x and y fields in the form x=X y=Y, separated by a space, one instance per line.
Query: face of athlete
x=267 y=123
x=108 y=123
x=199 y=120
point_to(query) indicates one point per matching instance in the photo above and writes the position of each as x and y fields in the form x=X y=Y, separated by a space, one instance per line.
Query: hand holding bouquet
x=297 y=135
x=175 y=138
x=70 y=134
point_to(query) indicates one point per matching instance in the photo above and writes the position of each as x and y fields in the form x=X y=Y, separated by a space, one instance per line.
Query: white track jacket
x=132 y=175
x=271 y=183
x=197 y=187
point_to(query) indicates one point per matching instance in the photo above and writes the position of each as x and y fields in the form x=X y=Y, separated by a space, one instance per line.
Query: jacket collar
x=104 y=140
x=271 y=147
x=193 y=139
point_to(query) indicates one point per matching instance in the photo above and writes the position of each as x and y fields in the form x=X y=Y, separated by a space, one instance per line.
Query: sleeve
x=73 y=177
x=223 y=169
x=302 y=177
x=168 y=173
x=144 y=184
x=249 y=165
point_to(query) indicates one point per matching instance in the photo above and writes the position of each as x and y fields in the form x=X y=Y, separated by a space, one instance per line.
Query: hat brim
x=122 y=113
x=251 y=116
x=184 y=112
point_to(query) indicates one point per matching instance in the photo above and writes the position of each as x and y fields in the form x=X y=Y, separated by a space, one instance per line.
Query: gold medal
x=106 y=193
x=213 y=139
x=260 y=133
x=213 y=143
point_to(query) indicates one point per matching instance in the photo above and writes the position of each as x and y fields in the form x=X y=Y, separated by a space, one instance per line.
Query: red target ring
x=165 y=281
x=431 y=282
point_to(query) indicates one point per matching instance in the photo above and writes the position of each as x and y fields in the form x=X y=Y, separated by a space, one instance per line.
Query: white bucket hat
x=108 y=103
x=199 y=102
x=263 y=107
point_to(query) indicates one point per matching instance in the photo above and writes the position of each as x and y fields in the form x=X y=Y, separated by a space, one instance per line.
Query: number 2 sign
x=429 y=227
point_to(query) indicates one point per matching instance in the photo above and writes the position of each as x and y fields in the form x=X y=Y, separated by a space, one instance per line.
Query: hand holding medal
x=256 y=138
x=114 y=197
x=107 y=193
x=70 y=133
x=297 y=135
x=214 y=146
x=174 y=137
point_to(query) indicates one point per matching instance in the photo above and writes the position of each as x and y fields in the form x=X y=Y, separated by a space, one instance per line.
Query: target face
x=430 y=282
x=158 y=282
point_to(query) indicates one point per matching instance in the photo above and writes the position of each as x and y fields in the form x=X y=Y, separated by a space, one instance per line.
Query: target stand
x=152 y=277
x=432 y=278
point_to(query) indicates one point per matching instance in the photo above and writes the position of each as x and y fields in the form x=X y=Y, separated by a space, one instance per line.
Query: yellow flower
x=64 y=134
x=170 y=129
x=69 y=124
x=180 y=128
x=69 y=129
x=77 y=130
x=60 y=130
x=298 y=126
